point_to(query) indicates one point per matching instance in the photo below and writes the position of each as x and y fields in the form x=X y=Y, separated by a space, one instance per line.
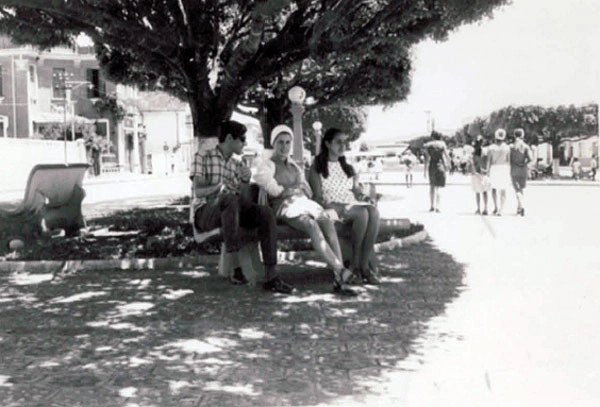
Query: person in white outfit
x=499 y=170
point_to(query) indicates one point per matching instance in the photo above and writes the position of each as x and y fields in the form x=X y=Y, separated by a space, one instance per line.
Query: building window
x=98 y=88
x=58 y=83
x=1 y=90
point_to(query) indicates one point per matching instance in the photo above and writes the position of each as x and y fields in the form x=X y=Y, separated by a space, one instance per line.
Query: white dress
x=499 y=165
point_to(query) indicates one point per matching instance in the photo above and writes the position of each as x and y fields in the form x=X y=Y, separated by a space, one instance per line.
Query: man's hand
x=245 y=174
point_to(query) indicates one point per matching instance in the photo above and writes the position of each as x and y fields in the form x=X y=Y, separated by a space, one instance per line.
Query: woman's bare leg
x=309 y=226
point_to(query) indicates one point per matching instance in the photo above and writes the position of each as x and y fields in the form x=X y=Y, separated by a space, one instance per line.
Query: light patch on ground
x=195 y=274
x=127 y=392
x=103 y=348
x=175 y=386
x=310 y=298
x=49 y=363
x=242 y=389
x=121 y=326
x=192 y=346
x=140 y=283
x=135 y=308
x=78 y=297
x=135 y=362
x=176 y=294
x=395 y=280
x=215 y=361
x=342 y=312
x=26 y=278
x=4 y=381
x=253 y=333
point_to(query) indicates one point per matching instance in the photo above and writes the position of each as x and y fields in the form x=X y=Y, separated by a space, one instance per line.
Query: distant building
x=39 y=89
x=581 y=147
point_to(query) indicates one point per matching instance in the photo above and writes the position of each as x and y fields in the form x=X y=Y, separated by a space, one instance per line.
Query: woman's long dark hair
x=322 y=159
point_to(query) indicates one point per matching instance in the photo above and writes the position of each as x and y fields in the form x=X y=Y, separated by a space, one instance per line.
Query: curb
x=171 y=263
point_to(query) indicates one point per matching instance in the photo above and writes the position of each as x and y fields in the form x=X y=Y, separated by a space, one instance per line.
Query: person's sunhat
x=277 y=130
x=500 y=134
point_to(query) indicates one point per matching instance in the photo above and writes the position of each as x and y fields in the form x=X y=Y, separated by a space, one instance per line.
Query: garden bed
x=157 y=232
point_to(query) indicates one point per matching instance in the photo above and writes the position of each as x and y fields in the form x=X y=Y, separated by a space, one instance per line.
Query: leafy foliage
x=547 y=124
x=218 y=54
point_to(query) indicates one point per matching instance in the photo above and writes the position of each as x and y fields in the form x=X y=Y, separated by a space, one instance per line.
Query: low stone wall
x=18 y=156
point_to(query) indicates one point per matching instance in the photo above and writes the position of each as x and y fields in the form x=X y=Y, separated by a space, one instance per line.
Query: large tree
x=217 y=54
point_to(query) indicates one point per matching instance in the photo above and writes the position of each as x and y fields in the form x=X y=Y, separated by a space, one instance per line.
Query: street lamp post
x=317 y=127
x=66 y=85
x=297 y=96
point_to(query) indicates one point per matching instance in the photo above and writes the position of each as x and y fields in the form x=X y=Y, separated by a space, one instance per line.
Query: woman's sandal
x=370 y=277
x=340 y=283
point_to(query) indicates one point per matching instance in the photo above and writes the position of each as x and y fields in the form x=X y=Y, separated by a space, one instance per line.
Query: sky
x=543 y=52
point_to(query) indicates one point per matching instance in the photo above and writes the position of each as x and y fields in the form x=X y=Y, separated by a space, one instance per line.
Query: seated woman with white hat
x=289 y=196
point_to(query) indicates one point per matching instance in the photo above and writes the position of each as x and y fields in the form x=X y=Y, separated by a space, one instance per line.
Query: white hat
x=277 y=130
x=500 y=134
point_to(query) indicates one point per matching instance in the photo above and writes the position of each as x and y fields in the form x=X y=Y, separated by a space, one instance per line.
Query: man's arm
x=201 y=190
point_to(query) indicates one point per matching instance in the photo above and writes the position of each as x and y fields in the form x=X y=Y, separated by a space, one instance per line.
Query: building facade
x=58 y=88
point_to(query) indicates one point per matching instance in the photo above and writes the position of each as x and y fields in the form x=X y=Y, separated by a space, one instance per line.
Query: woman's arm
x=265 y=178
x=314 y=180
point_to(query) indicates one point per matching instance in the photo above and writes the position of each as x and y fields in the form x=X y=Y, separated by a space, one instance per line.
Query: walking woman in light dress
x=499 y=170
x=289 y=196
x=335 y=186
x=479 y=180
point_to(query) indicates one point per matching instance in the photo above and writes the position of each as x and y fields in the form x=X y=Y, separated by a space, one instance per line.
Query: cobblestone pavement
x=150 y=338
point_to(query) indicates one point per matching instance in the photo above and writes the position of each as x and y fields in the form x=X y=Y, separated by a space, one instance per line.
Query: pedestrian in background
x=593 y=167
x=499 y=169
x=576 y=169
x=520 y=157
x=479 y=179
x=437 y=161
x=409 y=160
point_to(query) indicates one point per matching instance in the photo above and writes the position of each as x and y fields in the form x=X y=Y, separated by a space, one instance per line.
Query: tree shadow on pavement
x=156 y=338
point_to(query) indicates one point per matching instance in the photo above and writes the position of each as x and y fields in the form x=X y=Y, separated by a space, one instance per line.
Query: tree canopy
x=217 y=54
x=547 y=124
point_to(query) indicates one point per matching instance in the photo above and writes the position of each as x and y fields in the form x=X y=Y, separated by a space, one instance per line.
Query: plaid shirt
x=212 y=168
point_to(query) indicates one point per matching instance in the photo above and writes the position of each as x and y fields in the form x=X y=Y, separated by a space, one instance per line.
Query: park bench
x=52 y=200
x=249 y=255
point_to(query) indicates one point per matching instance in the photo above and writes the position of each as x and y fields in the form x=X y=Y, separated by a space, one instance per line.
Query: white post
x=297 y=96
x=14 y=95
x=317 y=127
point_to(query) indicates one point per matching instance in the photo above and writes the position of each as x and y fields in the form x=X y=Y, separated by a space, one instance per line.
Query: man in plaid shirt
x=218 y=176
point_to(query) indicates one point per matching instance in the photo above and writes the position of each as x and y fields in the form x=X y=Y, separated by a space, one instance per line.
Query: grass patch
x=148 y=233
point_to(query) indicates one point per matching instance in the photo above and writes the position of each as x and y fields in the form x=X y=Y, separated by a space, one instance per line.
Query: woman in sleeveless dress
x=289 y=196
x=335 y=185
x=499 y=170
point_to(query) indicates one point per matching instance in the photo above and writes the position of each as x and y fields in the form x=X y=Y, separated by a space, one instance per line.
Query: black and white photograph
x=299 y=203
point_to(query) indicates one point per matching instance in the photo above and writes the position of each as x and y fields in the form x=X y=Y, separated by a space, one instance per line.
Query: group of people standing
x=494 y=169
x=497 y=167
x=330 y=194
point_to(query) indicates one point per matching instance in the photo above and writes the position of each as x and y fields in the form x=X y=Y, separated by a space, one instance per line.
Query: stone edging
x=168 y=263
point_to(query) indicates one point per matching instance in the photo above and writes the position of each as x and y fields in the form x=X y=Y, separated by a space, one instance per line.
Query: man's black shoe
x=238 y=277
x=277 y=285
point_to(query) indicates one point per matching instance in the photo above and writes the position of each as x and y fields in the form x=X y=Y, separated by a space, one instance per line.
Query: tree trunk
x=272 y=112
